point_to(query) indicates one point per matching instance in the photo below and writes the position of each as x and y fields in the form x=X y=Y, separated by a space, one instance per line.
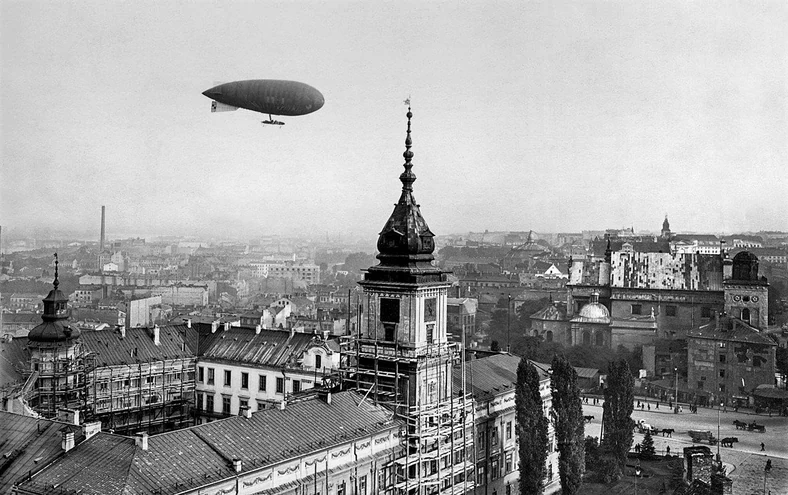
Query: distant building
x=728 y=359
x=461 y=313
x=551 y=323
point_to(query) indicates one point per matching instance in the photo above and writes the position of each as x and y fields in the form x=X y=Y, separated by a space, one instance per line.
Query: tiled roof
x=492 y=375
x=27 y=444
x=189 y=458
x=551 y=312
x=731 y=329
x=275 y=348
x=137 y=347
x=13 y=360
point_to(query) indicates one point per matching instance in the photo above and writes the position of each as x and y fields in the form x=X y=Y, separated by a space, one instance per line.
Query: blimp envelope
x=268 y=96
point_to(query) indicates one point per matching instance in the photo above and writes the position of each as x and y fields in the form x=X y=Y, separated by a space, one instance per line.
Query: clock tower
x=404 y=360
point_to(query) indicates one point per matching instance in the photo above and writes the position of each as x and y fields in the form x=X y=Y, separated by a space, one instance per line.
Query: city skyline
x=545 y=116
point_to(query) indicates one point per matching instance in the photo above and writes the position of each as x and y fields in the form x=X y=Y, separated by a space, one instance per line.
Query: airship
x=267 y=96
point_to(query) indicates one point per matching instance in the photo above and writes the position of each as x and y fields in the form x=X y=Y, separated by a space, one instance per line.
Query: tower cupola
x=55 y=326
x=405 y=245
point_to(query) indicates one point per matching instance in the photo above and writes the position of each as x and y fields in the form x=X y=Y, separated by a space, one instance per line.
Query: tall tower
x=666 y=228
x=404 y=358
x=56 y=357
x=101 y=241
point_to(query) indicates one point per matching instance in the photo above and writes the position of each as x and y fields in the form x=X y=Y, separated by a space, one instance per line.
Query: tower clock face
x=430 y=306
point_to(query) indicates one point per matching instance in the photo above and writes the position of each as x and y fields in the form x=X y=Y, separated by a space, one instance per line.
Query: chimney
x=257 y=329
x=237 y=465
x=325 y=396
x=325 y=334
x=101 y=242
x=226 y=325
x=247 y=413
x=122 y=329
x=67 y=434
x=214 y=326
x=70 y=416
x=283 y=405
x=141 y=440
x=189 y=323
x=90 y=429
x=156 y=334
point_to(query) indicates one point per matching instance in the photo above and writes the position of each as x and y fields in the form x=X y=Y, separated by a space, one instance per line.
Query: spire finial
x=408 y=177
x=56 y=282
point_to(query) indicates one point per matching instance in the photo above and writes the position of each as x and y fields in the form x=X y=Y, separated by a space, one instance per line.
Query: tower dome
x=406 y=241
x=54 y=328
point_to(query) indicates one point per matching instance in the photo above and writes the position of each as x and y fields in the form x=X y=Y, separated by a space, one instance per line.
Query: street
x=745 y=460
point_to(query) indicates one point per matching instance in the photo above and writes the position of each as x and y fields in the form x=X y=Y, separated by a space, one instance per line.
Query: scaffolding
x=150 y=396
x=438 y=435
x=59 y=375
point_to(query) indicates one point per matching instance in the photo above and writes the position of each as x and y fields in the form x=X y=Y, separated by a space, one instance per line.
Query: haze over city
x=552 y=116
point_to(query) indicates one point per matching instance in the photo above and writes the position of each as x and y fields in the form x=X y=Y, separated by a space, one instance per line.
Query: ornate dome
x=594 y=311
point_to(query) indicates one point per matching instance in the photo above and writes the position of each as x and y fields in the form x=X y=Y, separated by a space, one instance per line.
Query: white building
x=252 y=369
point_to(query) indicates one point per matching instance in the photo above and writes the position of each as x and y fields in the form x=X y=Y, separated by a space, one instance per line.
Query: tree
x=495 y=346
x=569 y=425
x=647 y=446
x=531 y=429
x=619 y=403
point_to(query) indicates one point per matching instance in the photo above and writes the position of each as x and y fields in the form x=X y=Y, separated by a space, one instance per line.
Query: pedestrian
x=763 y=447
x=667 y=450
x=681 y=409
x=657 y=404
x=649 y=406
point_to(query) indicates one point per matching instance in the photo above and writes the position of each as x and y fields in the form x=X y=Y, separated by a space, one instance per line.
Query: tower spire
x=56 y=282
x=408 y=177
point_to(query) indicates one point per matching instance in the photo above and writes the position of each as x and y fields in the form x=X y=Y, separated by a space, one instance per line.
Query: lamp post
x=676 y=405
x=718 y=431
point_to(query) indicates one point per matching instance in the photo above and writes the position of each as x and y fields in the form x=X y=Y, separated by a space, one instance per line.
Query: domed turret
x=55 y=326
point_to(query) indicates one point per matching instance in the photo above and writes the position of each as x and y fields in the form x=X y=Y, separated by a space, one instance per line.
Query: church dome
x=594 y=311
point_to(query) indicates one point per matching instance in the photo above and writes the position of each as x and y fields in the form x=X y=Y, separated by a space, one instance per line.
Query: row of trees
x=569 y=425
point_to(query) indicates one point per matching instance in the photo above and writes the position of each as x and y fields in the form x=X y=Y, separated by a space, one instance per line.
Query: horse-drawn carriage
x=699 y=436
x=741 y=425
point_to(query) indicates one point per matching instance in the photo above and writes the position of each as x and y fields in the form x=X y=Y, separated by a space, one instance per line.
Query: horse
x=588 y=419
x=668 y=432
x=740 y=425
x=729 y=441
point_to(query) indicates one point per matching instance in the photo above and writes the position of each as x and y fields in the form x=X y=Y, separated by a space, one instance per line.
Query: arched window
x=745 y=315
x=548 y=336
x=586 y=337
x=600 y=338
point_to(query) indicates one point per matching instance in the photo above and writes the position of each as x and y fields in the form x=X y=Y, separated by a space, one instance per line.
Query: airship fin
x=222 y=107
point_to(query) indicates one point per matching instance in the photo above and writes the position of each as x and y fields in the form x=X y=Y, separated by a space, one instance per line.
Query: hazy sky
x=543 y=115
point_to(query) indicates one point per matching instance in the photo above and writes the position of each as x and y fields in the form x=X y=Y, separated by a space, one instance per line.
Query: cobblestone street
x=746 y=460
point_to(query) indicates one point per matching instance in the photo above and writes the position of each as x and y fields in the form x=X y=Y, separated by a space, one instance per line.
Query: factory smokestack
x=101 y=242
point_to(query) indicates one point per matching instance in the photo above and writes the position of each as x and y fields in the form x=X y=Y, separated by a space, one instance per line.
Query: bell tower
x=404 y=360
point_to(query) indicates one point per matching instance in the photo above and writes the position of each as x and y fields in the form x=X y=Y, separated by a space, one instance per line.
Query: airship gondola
x=267 y=96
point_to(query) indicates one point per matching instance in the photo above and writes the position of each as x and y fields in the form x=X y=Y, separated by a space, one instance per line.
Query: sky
x=552 y=116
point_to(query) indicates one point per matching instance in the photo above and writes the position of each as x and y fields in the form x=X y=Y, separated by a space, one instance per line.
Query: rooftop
x=202 y=455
